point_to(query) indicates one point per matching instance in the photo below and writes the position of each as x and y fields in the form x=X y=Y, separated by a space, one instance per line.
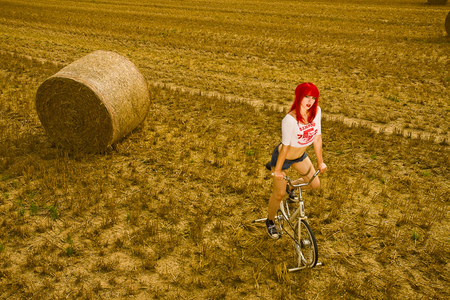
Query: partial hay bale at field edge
x=437 y=2
x=93 y=102
x=447 y=23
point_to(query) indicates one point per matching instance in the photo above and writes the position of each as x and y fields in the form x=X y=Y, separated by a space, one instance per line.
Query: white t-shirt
x=300 y=135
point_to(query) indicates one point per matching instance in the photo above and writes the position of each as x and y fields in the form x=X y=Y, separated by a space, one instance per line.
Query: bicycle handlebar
x=301 y=184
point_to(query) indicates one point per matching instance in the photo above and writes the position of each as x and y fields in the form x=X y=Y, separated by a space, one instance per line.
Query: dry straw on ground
x=93 y=102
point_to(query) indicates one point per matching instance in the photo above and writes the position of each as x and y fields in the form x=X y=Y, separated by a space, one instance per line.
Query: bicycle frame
x=299 y=214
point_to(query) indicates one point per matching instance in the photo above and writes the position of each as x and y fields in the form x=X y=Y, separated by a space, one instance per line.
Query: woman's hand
x=279 y=175
x=322 y=167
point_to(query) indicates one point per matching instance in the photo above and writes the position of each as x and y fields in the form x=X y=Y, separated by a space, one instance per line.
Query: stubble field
x=167 y=212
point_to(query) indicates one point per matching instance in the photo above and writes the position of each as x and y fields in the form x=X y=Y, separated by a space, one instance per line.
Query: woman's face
x=308 y=102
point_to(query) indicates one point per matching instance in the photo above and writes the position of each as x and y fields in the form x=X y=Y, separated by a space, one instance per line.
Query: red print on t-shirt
x=307 y=134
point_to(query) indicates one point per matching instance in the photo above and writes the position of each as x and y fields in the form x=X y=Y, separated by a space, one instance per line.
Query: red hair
x=302 y=90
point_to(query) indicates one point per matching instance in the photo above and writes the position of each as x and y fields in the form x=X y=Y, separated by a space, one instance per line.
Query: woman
x=300 y=128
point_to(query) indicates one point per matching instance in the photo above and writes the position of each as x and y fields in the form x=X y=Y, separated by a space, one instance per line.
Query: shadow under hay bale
x=93 y=102
x=447 y=23
x=437 y=2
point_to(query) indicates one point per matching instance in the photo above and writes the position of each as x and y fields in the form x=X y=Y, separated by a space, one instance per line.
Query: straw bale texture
x=447 y=23
x=93 y=102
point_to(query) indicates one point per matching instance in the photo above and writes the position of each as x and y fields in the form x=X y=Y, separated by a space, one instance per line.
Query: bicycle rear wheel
x=306 y=246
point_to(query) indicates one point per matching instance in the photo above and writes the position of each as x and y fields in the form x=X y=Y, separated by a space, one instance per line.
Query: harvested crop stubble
x=93 y=102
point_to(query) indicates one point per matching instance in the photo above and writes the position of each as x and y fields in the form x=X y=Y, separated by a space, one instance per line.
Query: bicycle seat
x=268 y=166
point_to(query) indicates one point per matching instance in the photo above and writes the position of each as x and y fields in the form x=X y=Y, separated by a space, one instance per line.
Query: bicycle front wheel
x=306 y=245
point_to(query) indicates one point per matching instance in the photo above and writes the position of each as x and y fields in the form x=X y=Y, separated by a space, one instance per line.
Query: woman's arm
x=318 y=150
x=278 y=173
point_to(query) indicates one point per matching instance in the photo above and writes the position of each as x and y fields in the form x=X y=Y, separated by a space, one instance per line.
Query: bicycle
x=305 y=244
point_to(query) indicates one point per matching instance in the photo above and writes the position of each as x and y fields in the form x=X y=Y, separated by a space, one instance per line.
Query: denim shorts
x=287 y=162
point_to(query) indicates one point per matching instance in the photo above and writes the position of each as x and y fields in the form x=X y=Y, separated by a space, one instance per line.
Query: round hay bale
x=447 y=23
x=93 y=102
x=437 y=2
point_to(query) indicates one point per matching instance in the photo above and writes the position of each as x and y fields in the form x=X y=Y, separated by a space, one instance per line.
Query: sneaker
x=291 y=193
x=272 y=229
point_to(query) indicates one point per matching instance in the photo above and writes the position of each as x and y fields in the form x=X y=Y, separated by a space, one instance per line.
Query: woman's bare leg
x=306 y=170
x=279 y=190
